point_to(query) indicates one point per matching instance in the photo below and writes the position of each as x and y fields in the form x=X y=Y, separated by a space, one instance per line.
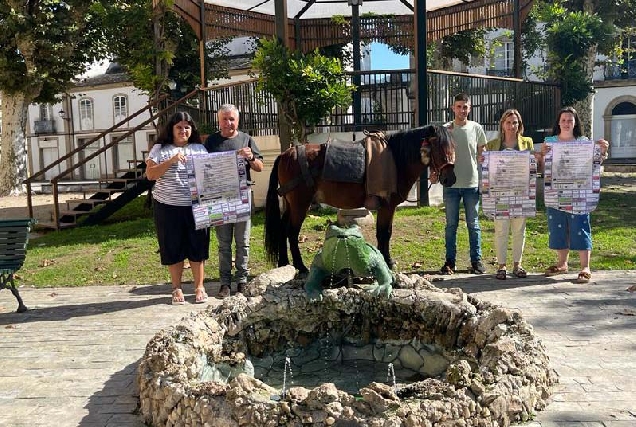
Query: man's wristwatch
x=251 y=159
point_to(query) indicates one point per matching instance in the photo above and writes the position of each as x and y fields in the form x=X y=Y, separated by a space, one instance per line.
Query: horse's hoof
x=302 y=274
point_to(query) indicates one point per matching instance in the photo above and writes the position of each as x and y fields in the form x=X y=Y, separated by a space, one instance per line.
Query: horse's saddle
x=369 y=161
x=344 y=162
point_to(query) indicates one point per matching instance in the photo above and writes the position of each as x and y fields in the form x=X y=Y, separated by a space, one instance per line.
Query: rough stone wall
x=499 y=372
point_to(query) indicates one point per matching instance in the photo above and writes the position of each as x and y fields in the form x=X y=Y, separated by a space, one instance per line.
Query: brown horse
x=412 y=150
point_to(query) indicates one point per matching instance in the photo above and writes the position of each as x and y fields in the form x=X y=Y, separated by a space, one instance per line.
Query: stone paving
x=71 y=359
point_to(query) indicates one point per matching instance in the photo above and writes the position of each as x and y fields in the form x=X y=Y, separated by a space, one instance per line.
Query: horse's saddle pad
x=344 y=162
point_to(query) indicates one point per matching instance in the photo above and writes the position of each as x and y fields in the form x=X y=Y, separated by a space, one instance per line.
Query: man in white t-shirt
x=468 y=136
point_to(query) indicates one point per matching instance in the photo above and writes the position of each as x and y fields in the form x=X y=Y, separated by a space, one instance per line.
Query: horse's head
x=438 y=153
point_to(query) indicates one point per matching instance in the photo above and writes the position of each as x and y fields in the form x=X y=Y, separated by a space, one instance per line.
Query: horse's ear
x=429 y=130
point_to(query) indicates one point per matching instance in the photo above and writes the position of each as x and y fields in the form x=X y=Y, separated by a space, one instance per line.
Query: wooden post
x=357 y=99
x=422 y=86
x=203 y=95
x=516 y=23
x=282 y=33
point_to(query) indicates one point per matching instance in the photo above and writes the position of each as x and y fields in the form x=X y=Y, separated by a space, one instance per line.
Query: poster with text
x=573 y=176
x=219 y=188
x=509 y=184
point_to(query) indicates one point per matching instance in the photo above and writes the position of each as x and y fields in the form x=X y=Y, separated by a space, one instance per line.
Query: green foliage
x=129 y=27
x=532 y=37
x=44 y=44
x=462 y=45
x=307 y=87
x=575 y=31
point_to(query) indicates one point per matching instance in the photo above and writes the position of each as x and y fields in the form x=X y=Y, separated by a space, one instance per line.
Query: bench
x=14 y=236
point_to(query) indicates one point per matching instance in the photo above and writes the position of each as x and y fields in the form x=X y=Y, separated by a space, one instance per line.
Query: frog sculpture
x=346 y=252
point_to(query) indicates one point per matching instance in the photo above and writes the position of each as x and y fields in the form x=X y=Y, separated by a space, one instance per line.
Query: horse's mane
x=405 y=145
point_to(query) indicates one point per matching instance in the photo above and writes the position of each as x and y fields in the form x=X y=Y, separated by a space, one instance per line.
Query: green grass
x=124 y=250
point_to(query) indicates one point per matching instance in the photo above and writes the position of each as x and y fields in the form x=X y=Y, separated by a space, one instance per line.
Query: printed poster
x=219 y=188
x=509 y=184
x=573 y=176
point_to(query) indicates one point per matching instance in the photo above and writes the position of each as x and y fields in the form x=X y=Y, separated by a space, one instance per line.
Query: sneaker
x=240 y=288
x=224 y=292
x=448 y=268
x=477 y=267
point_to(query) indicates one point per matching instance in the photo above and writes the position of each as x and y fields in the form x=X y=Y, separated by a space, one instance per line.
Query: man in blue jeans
x=229 y=138
x=468 y=136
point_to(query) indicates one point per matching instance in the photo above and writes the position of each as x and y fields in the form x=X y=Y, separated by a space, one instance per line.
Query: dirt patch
x=16 y=206
x=619 y=181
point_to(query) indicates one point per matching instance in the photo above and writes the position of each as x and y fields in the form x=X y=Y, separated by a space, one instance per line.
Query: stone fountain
x=423 y=357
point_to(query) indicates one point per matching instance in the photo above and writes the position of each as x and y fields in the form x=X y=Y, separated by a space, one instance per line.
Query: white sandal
x=177 y=297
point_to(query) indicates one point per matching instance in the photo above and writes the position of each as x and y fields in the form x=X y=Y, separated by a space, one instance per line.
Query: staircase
x=109 y=193
x=103 y=199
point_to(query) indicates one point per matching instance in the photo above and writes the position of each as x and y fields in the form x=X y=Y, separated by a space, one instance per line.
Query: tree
x=46 y=43
x=158 y=45
x=43 y=45
x=306 y=87
x=462 y=45
x=576 y=32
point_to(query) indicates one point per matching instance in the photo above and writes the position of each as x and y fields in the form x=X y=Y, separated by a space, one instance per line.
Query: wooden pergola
x=443 y=17
x=307 y=24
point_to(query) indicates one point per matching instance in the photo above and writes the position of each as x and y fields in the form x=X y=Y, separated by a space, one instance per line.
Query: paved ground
x=71 y=359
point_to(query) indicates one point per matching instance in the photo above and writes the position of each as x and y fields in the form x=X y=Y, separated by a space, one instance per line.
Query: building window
x=120 y=108
x=86 y=111
x=44 y=112
x=504 y=57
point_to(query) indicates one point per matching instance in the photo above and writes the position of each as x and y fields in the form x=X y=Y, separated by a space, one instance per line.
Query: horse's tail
x=273 y=223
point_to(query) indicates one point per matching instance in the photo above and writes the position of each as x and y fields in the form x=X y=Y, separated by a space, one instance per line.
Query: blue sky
x=383 y=59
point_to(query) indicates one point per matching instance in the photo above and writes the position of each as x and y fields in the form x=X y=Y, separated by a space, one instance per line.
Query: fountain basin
x=457 y=360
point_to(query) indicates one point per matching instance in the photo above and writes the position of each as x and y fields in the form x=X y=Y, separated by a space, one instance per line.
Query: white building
x=91 y=107
x=614 y=104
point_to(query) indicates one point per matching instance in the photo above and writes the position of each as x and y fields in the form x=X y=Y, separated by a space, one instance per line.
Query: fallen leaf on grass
x=302 y=238
x=46 y=262
x=416 y=265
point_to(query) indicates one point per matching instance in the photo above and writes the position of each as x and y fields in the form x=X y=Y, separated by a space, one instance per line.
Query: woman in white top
x=172 y=204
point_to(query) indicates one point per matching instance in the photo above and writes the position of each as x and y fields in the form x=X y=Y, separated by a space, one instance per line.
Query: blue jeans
x=470 y=197
x=240 y=232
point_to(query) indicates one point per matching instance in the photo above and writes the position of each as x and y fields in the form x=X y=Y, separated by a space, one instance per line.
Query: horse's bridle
x=425 y=151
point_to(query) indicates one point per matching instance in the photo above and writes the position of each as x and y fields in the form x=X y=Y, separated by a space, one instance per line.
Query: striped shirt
x=173 y=188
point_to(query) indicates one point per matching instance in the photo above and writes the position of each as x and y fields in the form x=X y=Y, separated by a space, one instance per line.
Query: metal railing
x=626 y=70
x=388 y=102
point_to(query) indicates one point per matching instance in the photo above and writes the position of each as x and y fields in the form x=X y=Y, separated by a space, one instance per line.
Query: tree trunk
x=584 y=107
x=159 y=40
x=13 y=159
